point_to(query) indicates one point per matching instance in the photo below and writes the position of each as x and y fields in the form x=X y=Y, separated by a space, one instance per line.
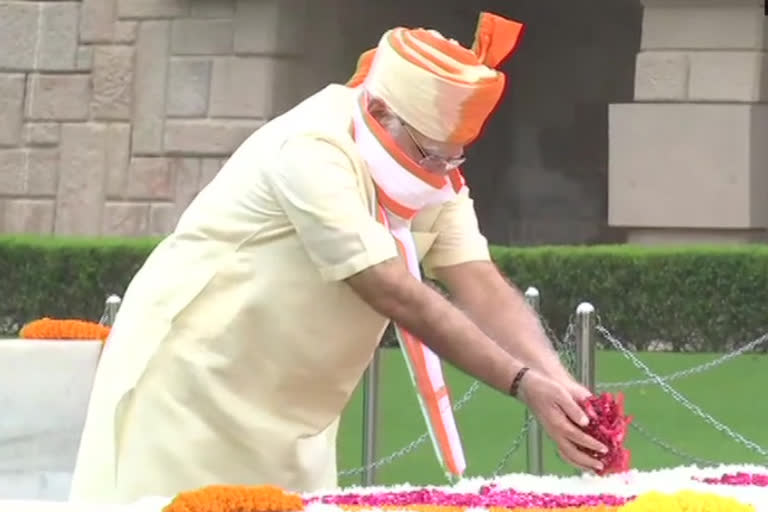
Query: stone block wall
x=703 y=53
x=115 y=113
x=546 y=154
x=689 y=162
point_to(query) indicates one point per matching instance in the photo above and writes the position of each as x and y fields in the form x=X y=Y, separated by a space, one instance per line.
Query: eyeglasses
x=434 y=163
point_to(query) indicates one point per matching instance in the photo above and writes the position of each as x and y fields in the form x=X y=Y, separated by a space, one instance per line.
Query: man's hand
x=556 y=408
x=577 y=391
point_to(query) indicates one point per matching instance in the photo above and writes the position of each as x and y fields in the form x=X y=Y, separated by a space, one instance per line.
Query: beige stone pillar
x=689 y=157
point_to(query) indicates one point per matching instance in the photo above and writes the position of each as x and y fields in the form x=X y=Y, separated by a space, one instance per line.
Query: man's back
x=224 y=332
x=239 y=341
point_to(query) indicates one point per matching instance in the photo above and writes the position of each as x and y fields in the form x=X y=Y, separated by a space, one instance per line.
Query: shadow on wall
x=539 y=173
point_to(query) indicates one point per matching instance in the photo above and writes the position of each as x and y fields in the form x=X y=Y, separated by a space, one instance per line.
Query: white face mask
x=404 y=186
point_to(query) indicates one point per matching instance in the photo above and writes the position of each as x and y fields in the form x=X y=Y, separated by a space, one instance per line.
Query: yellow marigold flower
x=685 y=501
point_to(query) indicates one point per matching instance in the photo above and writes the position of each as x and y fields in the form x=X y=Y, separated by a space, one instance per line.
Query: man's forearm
x=515 y=326
x=499 y=308
x=393 y=292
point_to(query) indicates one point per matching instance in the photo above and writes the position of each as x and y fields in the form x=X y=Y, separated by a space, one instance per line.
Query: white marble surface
x=44 y=391
x=59 y=506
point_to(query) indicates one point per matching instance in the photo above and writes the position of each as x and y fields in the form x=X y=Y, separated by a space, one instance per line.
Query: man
x=241 y=339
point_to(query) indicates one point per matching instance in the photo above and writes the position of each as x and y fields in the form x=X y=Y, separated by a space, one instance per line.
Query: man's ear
x=377 y=107
x=385 y=117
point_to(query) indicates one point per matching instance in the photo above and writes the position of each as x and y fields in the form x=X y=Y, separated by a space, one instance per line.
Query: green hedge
x=63 y=277
x=697 y=298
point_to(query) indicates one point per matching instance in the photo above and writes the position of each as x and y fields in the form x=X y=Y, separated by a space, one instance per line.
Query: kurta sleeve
x=459 y=239
x=316 y=185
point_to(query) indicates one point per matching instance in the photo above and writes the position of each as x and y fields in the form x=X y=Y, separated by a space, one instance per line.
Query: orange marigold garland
x=443 y=508
x=52 y=329
x=236 y=498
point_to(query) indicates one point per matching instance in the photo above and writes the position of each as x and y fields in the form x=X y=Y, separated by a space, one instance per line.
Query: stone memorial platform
x=44 y=392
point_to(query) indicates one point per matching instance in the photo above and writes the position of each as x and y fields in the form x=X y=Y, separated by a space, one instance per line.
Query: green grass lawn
x=488 y=424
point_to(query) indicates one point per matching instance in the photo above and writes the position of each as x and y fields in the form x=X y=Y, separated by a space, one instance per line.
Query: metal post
x=111 y=307
x=534 y=458
x=585 y=345
x=370 y=419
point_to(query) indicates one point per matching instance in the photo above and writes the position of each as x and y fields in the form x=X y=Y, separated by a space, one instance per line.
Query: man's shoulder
x=320 y=126
x=328 y=110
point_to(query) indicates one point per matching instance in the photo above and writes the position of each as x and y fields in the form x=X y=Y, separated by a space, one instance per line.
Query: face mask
x=404 y=187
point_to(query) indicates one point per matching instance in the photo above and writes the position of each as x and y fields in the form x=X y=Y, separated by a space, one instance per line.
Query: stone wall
x=542 y=171
x=689 y=159
x=116 y=112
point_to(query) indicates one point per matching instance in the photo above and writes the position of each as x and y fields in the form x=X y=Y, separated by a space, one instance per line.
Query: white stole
x=402 y=189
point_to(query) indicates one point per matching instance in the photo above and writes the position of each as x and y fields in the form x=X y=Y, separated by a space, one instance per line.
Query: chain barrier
x=388 y=459
x=668 y=447
x=690 y=371
x=679 y=397
x=516 y=443
x=566 y=347
x=563 y=345
x=405 y=450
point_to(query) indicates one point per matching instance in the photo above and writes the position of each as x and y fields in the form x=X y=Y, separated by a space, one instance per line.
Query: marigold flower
x=685 y=501
x=236 y=498
x=54 y=329
x=441 y=508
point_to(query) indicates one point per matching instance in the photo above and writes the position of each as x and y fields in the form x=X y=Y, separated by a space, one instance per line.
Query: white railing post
x=585 y=345
x=534 y=458
x=370 y=418
x=111 y=307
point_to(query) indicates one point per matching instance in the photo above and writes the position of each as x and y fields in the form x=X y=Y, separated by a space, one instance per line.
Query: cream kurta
x=238 y=343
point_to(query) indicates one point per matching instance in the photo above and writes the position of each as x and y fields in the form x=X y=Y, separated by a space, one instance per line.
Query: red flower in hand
x=608 y=424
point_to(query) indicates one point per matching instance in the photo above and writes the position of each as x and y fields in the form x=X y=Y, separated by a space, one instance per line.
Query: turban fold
x=445 y=91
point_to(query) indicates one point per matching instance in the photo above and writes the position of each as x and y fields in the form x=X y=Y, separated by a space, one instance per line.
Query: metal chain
x=523 y=434
x=516 y=443
x=389 y=458
x=413 y=444
x=569 y=346
x=668 y=447
x=564 y=345
x=567 y=349
x=618 y=345
x=690 y=371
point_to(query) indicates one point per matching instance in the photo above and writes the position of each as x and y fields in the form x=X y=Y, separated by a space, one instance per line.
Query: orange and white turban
x=445 y=91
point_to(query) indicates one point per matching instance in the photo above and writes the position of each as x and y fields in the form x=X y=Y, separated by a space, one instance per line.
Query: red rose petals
x=488 y=497
x=738 y=479
x=491 y=496
x=608 y=424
